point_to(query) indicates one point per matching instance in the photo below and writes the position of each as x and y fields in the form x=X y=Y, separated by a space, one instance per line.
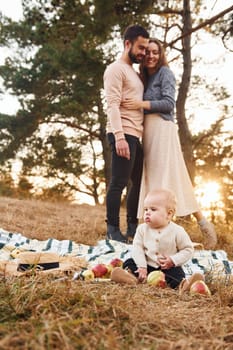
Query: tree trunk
x=105 y=145
x=184 y=132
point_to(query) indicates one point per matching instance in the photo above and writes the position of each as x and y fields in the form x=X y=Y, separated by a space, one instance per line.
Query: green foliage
x=60 y=81
x=54 y=194
x=24 y=188
x=7 y=187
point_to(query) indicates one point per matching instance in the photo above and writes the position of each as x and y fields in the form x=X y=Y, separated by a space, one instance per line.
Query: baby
x=159 y=243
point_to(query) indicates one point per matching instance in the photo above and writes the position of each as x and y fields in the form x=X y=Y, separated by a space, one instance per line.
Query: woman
x=164 y=165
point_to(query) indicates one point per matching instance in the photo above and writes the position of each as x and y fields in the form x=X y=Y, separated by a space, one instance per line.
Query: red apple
x=199 y=287
x=100 y=270
x=116 y=262
x=87 y=275
x=157 y=279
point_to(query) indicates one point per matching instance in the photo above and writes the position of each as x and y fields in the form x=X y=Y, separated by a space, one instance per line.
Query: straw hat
x=37 y=260
x=41 y=263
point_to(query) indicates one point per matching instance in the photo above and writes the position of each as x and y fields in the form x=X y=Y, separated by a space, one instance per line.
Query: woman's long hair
x=161 y=62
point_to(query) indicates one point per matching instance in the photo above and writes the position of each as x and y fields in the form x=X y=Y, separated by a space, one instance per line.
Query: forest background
x=55 y=146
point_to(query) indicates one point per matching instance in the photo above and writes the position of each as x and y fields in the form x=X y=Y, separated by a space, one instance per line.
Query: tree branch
x=75 y=126
x=202 y=25
x=210 y=132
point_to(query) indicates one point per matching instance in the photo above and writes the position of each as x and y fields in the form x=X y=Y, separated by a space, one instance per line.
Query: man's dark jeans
x=124 y=171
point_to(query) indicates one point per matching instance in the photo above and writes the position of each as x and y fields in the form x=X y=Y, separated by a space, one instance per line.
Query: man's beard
x=133 y=57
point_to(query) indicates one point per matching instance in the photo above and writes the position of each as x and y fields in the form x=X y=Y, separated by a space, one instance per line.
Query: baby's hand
x=142 y=274
x=165 y=262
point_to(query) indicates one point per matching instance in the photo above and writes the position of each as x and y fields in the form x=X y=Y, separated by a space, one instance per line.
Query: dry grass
x=42 y=220
x=41 y=312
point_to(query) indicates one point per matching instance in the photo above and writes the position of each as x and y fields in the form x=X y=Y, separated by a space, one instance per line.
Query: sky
x=11 y=8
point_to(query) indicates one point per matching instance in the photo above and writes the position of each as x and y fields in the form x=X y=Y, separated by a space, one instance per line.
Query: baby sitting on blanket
x=159 y=244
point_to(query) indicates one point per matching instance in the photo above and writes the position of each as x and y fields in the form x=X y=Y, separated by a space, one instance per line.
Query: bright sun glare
x=208 y=194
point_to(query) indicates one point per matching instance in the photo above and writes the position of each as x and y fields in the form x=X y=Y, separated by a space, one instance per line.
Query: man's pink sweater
x=122 y=82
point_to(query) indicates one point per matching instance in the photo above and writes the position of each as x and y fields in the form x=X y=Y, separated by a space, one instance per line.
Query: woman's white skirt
x=164 y=165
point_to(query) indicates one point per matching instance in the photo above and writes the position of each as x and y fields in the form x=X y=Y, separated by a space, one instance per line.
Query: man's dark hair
x=134 y=31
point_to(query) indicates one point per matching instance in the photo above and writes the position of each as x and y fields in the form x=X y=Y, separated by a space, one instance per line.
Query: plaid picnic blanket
x=203 y=261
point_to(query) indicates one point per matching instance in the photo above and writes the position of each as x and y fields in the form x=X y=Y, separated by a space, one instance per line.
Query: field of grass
x=40 y=312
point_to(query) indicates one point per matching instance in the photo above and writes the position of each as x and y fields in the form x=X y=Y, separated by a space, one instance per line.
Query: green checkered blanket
x=204 y=261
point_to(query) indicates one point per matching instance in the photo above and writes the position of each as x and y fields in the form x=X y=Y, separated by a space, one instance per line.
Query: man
x=124 y=130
